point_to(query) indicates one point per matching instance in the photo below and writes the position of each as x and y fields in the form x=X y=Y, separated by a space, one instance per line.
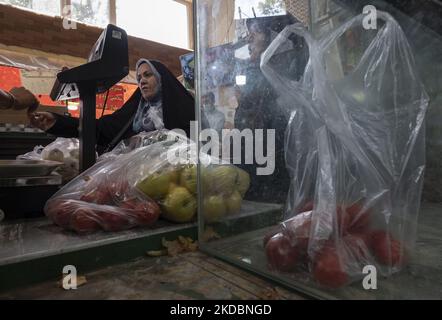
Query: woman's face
x=257 y=43
x=147 y=82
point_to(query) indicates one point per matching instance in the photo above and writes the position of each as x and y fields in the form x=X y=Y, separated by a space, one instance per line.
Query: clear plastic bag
x=355 y=152
x=65 y=150
x=150 y=175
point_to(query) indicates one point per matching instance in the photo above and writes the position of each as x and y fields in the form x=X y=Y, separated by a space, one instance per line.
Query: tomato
x=358 y=245
x=98 y=196
x=359 y=219
x=129 y=204
x=147 y=212
x=83 y=221
x=271 y=233
x=60 y=212
x=352 y=219
x=386 y=249
x=281 y=255
x=298 y=230
x=329 y=269
x=113 y=221
x=308 y=206
x=118 y=189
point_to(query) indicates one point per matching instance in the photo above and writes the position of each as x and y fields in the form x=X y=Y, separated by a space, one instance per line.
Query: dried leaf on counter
x=81 y=280
x=209 y=234
x=157 y=253
x=270 y=294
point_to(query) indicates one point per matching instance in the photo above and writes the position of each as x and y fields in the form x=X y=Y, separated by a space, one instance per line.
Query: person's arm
x=18 y=98
x=6 y=100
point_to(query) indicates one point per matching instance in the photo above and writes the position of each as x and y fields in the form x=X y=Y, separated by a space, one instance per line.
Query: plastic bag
x=150 y=175
x=65 y=150
x=355 y=152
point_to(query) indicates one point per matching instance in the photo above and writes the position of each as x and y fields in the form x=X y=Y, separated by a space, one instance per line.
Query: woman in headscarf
x=258 y=106
x=160 y=102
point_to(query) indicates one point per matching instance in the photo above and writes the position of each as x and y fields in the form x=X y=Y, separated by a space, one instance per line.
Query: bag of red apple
x=107 y=196
x=151 y=175
x=355 y=151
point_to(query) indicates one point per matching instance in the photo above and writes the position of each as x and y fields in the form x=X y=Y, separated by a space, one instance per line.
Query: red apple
x=96 y=195
x=114 y=221
x=386 y=249
x=328 y=269
x=147 y=213
x=281 y=255
x=83 y=221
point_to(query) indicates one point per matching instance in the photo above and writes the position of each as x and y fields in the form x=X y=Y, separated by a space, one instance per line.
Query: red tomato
x=83 y=221
x=298 y=230
x=386 y=249
x=118 y=189
x=358 y=245
x=359 y=220
x=97 y=196
x=60 y=211
x=308 y=206
x=129 y=204
x=113 y=221
x=281 y=255
x=271 y=233
x=328 y=269
x=147 y=212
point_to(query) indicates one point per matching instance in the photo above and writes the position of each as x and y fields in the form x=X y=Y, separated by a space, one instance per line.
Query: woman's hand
x=23 y=99
x=42 y=120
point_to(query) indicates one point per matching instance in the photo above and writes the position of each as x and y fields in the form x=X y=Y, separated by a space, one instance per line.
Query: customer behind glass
x=215 y=118
x=160 y=102
x=258 y=106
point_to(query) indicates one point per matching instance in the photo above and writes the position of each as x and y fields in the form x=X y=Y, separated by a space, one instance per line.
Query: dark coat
x=178 y=111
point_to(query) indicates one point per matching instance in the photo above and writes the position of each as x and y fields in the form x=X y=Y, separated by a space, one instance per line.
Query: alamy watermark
x=232 y=145
x=68 y=23
x=69 y=277
x=369 y=22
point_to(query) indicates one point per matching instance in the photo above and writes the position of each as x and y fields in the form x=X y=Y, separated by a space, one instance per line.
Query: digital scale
x=107 y=64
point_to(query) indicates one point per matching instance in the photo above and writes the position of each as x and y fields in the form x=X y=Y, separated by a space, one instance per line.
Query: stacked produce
x=335 y=260
x=175 y=189
x=354 y=149
x=149 y=176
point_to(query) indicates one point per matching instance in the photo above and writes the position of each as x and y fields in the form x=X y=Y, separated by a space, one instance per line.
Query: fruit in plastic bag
x=329 y=268
x=242 y=182
x=179 y=205
x=156 y=185
x=147 y=212
x=214 y=208
x=223 y=178
x=233 y=203
x=97 y=195
x=281 y=254
x=82 y=221
x=386 y=249
x=113 y=221
x=118 y=188
x=188 y=178
x=60 y=211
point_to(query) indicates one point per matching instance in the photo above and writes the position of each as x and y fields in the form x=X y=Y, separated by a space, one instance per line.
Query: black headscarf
x=177 y=103
x=178 y=112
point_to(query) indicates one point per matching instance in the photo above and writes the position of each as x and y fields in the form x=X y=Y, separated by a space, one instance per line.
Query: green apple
x=156 y=185
x=233 y=203
x=242 y=182
x=179 y=205
x=223 y=179
x=188 y=178
x=214 y=208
